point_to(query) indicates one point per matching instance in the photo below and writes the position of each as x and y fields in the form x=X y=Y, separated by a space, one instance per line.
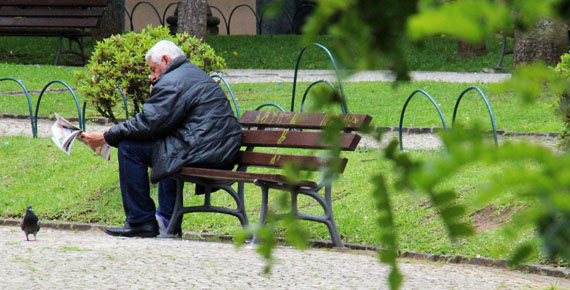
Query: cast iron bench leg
x=333 y=230
x=241 y=206
x=264 y=206
x=326 y=203
x=60 y=44
x=177 y=213
x=179 y=209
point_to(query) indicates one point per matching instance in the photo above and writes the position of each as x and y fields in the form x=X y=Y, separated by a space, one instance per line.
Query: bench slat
x=300 y=120
x=278 y=160
x=26 y=31
x=48 y=22
x=53 y=2
x=295 y=139
x=238 y=176
x=45 y=12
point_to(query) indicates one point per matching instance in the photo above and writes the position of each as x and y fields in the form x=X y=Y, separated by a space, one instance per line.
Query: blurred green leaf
x=520 y=254
x=469 y=20
x=273 y=9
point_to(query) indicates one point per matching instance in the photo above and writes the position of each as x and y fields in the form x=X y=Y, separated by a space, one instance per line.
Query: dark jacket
x=189 y=118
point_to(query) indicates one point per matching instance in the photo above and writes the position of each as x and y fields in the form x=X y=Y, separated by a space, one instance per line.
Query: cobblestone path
x=92 y=259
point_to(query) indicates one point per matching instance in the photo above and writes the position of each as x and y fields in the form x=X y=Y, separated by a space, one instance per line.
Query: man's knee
x=139 y=150
x=124 y=148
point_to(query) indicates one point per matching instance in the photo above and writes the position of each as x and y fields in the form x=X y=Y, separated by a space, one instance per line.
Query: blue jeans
x=134 y=161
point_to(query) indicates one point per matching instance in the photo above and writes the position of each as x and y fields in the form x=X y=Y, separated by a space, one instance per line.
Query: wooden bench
x=278 y=131
x=68 y=19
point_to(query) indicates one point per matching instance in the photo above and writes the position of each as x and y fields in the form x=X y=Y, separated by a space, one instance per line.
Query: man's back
x=190 y=120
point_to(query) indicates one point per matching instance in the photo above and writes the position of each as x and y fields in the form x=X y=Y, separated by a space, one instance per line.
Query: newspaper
x=63 y=133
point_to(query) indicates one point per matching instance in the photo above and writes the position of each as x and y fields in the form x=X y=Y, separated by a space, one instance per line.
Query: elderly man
x=187 y=121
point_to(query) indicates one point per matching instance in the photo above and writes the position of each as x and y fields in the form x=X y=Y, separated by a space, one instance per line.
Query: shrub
x=118 y=62
x=563 y=68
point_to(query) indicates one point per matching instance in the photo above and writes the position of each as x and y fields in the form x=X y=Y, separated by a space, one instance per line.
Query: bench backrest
x=294 y=130
x=51 y=13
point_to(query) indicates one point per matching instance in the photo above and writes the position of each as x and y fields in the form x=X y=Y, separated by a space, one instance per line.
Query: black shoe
x=142 y=230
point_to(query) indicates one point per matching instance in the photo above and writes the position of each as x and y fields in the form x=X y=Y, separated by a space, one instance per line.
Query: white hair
x=163 y=47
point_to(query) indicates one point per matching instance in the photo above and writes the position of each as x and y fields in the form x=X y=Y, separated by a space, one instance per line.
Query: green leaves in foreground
x=544 y=182
x=295 y=233
x=386 y=230
x=445 y=201
x=470 y=20
x=266 y=233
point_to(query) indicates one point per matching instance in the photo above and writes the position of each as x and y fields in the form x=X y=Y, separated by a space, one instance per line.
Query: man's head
x=160 y=56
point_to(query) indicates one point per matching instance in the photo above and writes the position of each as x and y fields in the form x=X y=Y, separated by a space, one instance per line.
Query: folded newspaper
x=63 y=133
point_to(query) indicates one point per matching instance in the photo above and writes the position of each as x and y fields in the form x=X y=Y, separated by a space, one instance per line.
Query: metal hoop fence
x=292 y=17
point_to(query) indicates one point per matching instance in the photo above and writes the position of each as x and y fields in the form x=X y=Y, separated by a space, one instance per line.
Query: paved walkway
x=22 y=127
x=260 y=76
x=91 y=259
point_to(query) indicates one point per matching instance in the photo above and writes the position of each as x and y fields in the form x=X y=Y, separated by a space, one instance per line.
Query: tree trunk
x=192 y=18
x=112 y=21
x=546 y=42
x=467 y=50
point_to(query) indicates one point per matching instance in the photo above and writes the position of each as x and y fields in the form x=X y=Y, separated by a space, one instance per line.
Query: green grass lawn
x=35 y=77
x=275 y=52
x=37 y=50
x=84 y=188
x=384 y=102
x=281 y=52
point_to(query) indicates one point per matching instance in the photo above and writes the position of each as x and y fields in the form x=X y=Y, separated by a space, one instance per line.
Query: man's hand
x=93 y=140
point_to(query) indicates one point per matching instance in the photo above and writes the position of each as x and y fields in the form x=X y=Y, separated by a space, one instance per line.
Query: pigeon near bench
x=31 y=223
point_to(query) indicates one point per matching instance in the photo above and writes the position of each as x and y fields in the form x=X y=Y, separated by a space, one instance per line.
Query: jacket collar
x=173 y=65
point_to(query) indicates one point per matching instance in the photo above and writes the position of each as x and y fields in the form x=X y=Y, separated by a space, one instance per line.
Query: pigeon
x=30 y=223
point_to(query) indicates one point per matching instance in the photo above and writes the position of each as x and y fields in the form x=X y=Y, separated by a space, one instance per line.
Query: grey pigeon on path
x=30 y=223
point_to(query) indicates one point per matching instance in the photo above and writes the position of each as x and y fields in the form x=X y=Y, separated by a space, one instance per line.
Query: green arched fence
x=79 y=115
x=340 y=91
x=27 y=93
x=80 y=112
x=490 y=110
x=486 y=103
x=404 y=111
x=231 y=92
x=270 y=105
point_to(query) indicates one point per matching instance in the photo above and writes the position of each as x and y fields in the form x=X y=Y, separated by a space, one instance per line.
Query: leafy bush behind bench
x=119 y=61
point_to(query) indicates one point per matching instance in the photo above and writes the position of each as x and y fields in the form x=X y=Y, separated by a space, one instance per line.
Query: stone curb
x=99 y=121
x=433 y=130
x=405 y=130
x=488 y=262
x=557 y=272
x=21 y=92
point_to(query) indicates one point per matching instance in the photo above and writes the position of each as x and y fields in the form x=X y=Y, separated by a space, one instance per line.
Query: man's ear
x=166 y=59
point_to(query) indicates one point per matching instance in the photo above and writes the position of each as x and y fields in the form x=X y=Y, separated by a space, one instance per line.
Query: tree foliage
x=369 y=35
x=563 y=68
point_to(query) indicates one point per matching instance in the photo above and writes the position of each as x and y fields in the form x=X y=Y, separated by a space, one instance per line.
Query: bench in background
x=68 y=19
x=279 y=131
